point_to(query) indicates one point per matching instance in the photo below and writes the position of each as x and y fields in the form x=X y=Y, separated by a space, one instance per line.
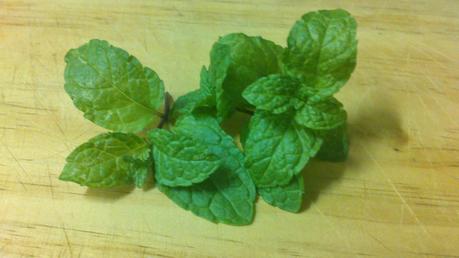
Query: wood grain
x=397 y=195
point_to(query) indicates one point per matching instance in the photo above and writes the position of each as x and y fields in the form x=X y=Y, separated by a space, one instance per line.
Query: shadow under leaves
x=116 y=193
x=381 y=123
x=109 y=194
x=318 y=176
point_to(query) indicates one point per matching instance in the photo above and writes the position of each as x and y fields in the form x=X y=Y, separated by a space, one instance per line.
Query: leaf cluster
x=288 y=90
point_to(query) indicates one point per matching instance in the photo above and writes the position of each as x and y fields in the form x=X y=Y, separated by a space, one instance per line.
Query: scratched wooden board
x=396 y=196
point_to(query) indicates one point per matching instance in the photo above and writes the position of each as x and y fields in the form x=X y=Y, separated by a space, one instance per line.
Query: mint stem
x=165 y=116
x=243 y=110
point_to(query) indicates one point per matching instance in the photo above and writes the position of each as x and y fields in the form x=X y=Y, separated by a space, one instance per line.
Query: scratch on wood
x=50 y=182
x=67 y=240
x=14 y=157
x=433 y=50
x=402 y=214
x=335 y=229
x=395 y=189
x=379 y=242
x=177 y=10
x=19 y=164
x=13 y=80
x=26 y=107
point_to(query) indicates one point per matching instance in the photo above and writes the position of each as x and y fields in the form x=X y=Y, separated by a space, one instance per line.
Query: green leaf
x=323 y=115
x=288 y=197
x=204 y=97
x=112 y=88
x=275 y=93
x=187 y=103
x=322 y=50
x=228 y=195
x=108 y=160
x=207 y=89
x=277 y=149
x=180 y=160
x=336 y=144
x=236 y=61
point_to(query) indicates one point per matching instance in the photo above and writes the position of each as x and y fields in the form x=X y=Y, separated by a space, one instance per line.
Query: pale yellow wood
x=397 y=195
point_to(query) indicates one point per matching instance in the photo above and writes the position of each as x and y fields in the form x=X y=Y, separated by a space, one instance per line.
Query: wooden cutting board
x=396 y=196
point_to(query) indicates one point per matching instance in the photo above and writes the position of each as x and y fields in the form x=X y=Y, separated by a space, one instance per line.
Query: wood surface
x=396 y=196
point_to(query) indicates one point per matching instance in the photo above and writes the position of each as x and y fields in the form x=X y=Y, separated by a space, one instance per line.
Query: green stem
x=243 y=110
x=165 y=116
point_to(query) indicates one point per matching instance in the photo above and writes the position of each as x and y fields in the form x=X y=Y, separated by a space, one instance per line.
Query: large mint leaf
x=112 y=88
x=277 y=149
x=322 y=115
x=180 y=160
x=236 y=61
x=336 y=144
x=107 y=160
x=275 y=93
x=228 y=195
x=288 y=197
x=322 y=50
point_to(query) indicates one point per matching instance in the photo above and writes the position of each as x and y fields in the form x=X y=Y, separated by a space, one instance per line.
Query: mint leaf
x=288 y=197
x=323 y=115
x=181 y=160
x=275 y=93
x=207 y=89
x=336 y=144
x=108 y=160
x=202 y=98
x=322 y=50
x=112 y=88
x=228 y=195
x=277 y=149
x=237 y=60
x=187 y=103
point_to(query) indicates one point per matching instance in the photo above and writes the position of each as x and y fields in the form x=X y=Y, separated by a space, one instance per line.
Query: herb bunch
x=288 y=92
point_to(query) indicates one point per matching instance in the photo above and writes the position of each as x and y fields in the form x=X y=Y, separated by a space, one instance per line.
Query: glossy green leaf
x=322 y=115
x=287 y=197
x=112 y=88
x=236 y=61
x=274 y=93
x=108 y=160
x=228 y=195
x=322 y=50
x=277 y=149
x=181 y=160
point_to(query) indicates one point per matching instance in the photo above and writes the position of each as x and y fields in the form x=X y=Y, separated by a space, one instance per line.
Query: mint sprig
x=288 y=92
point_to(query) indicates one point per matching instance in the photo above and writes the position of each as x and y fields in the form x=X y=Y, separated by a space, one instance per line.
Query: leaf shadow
x=380 y=124
x=235 y=123
x=109 y=194
x=115 y=193
x=318 y=176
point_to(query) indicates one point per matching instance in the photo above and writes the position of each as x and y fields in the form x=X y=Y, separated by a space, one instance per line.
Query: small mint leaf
x=277 y=149
x=322 y=115
x=108 y=160
x=181 y=160
x=287 y=197
x=274 y=93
